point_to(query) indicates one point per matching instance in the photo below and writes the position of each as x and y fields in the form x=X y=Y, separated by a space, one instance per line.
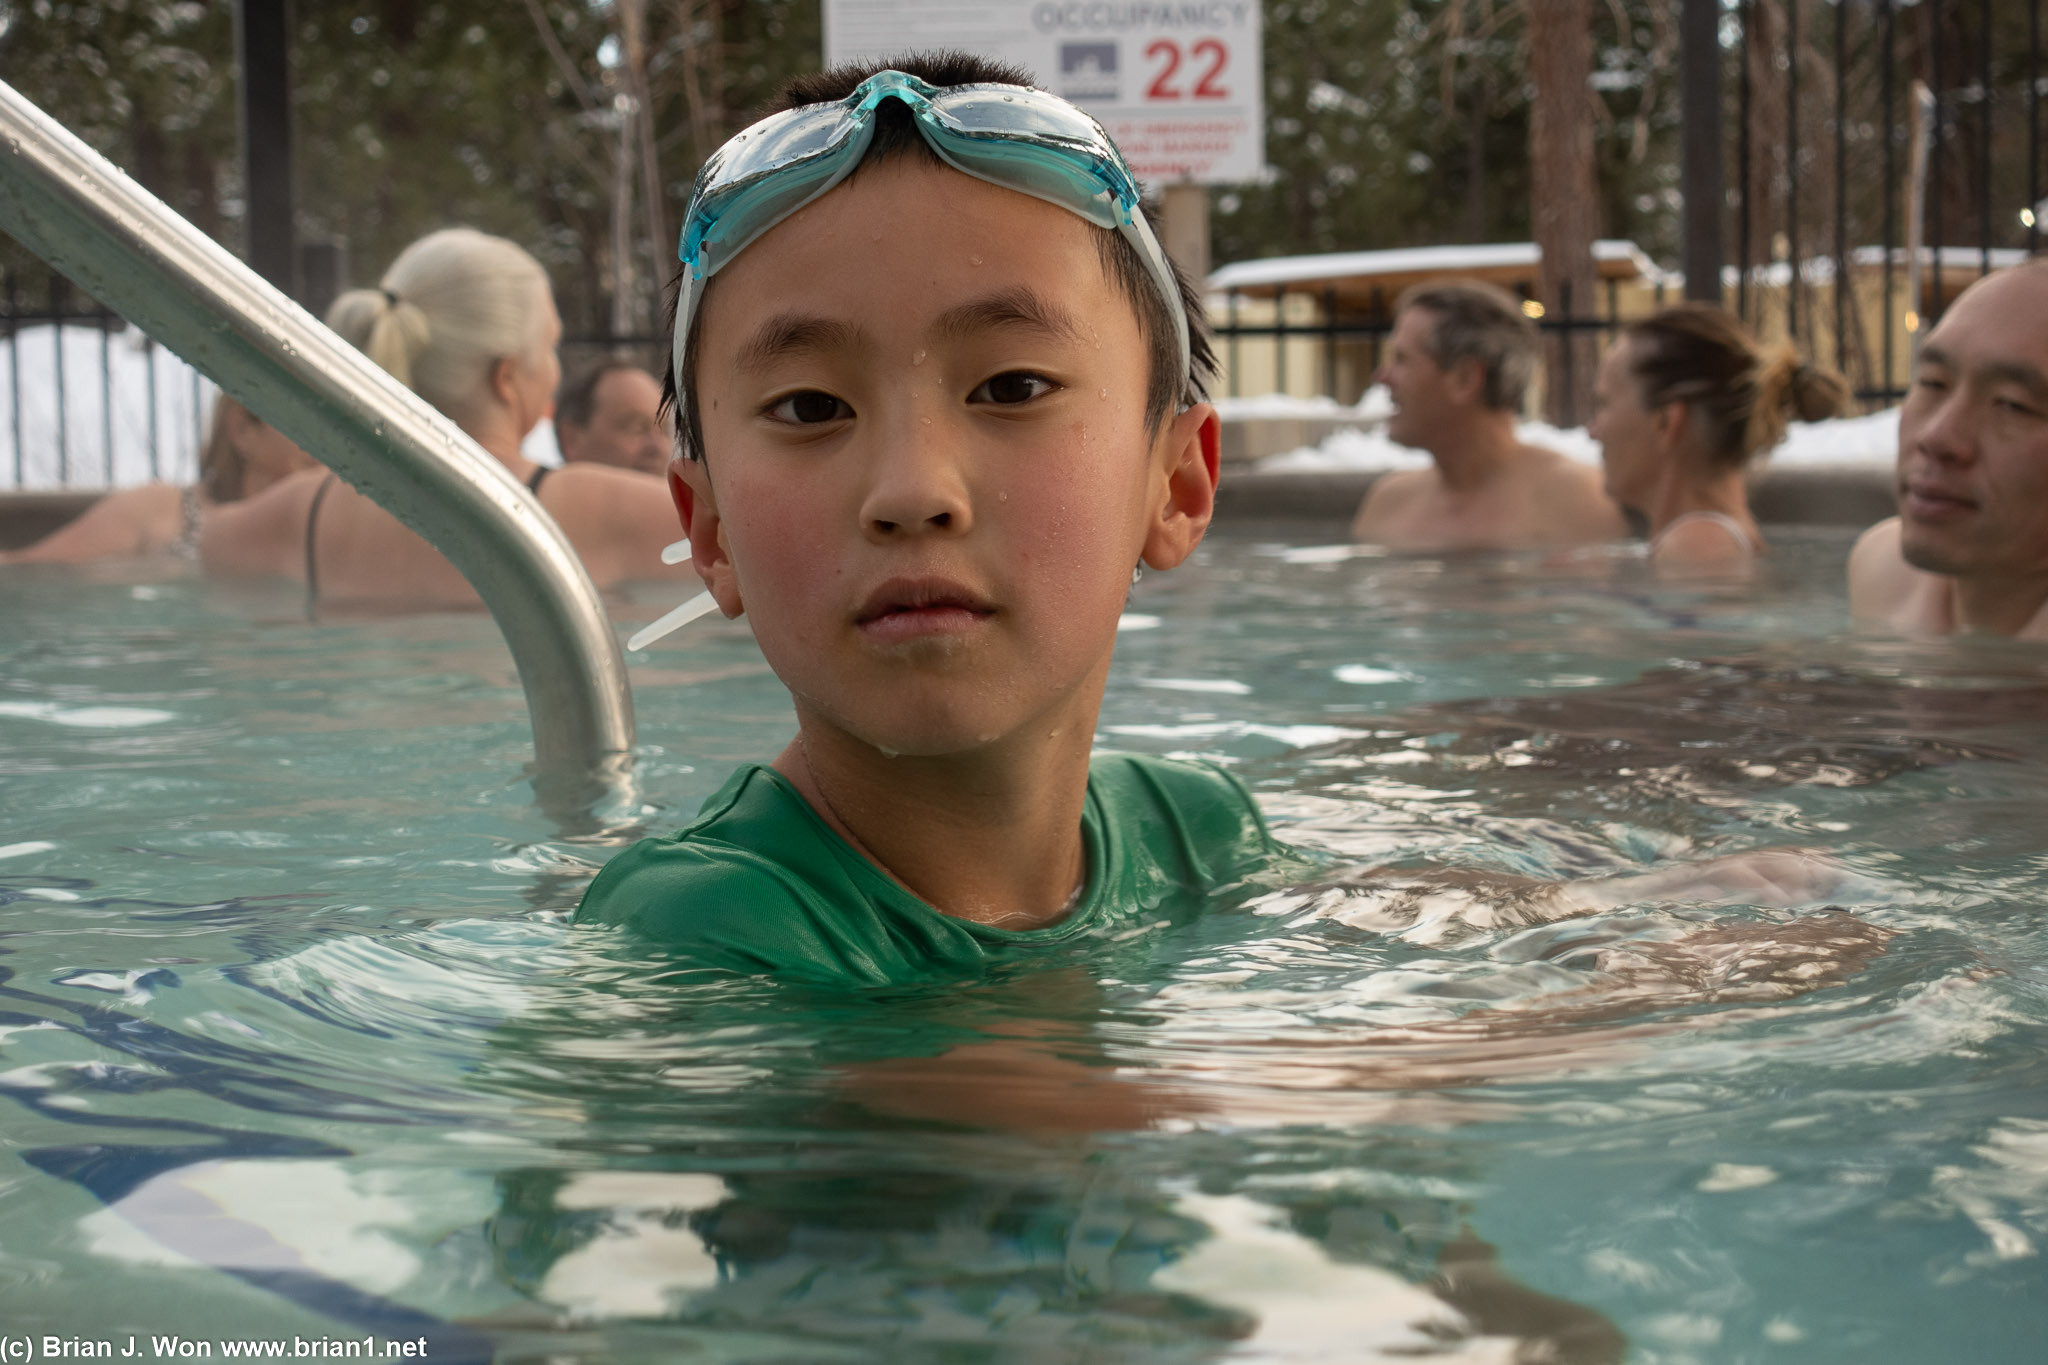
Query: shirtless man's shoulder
x=1885 y=589
x=618 y=519
x=1569 y=498
x=1391 y=502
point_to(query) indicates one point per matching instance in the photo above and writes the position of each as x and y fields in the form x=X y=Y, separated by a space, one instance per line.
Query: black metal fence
x=1892 y=146
x=1346 y=347
x=85 y=399
x=88 y=401
x=1880 y=157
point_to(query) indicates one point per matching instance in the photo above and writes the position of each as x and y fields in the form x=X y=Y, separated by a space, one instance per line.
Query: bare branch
x=563 y=62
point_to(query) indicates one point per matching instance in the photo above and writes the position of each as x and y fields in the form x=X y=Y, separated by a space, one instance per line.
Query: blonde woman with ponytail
x=1685 y=401
x=468 y=322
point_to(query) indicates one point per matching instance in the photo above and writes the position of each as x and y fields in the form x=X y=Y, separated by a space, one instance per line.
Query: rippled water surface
x=1674 y=988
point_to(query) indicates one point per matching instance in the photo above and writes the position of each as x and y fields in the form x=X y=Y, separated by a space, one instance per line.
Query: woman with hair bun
x=468 y=322
x=1685 y=401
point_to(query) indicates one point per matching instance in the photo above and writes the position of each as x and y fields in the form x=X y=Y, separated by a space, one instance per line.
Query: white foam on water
x=86 y=717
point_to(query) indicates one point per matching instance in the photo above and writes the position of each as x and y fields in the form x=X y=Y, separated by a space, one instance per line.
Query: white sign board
x=1180 y=84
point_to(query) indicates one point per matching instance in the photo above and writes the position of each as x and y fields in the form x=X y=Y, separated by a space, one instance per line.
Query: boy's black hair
x=896 y=134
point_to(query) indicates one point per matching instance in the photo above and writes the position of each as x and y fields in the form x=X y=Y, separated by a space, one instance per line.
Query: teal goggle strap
x=1009 y=135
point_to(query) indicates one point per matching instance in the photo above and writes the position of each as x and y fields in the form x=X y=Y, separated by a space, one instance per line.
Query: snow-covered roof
x=1624 y=258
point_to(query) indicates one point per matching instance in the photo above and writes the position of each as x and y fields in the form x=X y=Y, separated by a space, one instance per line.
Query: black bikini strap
x=533 y=480
x=312 y=528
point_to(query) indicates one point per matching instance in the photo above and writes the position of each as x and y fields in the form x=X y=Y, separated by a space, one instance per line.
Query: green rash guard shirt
x=760 y=884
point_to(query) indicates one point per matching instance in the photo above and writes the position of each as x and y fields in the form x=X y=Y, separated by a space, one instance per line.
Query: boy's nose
x=918 y=486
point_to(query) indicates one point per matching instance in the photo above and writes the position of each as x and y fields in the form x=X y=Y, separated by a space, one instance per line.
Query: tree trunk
x=660 y=251
x=1564 y=196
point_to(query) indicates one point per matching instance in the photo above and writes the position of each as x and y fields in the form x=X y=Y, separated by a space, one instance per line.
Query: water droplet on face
x=974 y=260
x=917 y=358
x=1103 y=393
x=1003 y=496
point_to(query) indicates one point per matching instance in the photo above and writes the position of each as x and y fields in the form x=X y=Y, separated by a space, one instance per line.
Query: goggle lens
x=1013 y=136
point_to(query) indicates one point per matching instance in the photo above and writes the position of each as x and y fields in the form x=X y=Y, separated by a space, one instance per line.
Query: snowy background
x=100 y=444
x=1862 y=442
x=117 y=445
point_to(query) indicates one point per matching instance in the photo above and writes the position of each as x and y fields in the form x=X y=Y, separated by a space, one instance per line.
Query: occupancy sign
x=1180 y=84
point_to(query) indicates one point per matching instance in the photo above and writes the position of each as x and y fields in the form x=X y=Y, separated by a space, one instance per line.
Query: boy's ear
x=1187 y=493
x=689 y=483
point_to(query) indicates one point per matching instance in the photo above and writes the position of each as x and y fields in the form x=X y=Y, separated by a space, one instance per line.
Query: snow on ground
x=1868 y=442
x=95 y=365
x=181 y=396
x=1372 y=406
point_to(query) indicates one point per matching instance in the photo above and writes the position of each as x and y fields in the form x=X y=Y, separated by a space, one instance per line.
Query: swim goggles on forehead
x=1009 y=135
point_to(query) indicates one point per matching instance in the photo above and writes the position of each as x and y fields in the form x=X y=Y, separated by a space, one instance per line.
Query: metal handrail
x=75 y=209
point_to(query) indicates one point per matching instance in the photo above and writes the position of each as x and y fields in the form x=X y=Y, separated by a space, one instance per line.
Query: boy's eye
x=1015 y=386
x=809 y=408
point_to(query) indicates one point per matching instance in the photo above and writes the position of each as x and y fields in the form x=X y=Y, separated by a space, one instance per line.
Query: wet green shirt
x=758 y=883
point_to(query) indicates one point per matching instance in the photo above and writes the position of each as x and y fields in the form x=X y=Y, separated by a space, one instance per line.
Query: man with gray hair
x=1457 y=367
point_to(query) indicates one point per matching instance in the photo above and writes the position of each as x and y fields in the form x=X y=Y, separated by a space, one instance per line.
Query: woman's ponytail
x=384 y=327
x=1743 y=395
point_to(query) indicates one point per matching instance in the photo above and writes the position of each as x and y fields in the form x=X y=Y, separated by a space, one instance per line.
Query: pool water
x=296 y=1043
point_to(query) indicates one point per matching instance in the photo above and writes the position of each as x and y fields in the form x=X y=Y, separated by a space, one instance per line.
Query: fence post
x=1699 y=45
x=1742 y=171
x=156 y=465
x=1234 y=371
x=1792 y=171
x=1931 y=239
x=1280 y=338
x=2033 y=127
x=14 y=366
x=1842 y=188
x=1569 y=408
x=1984 y=144
x=57 y=291
x=263 y=42
x=1891 y=174
x=1330 y=340
x=107 y=392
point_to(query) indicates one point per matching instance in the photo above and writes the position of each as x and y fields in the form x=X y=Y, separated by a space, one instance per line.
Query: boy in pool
x=941 y=398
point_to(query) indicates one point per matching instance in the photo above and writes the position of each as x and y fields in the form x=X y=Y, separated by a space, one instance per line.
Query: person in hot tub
x=243 y=456
x=941 y=399
x=1685 y=402
x=467 y=321
x=1969 y=548
x=1457 y=367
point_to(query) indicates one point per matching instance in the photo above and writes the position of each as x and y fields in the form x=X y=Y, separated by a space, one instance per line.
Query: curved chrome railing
x=76 y=210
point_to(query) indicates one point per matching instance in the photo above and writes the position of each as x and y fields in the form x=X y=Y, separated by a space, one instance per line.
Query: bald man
x=1968 y=551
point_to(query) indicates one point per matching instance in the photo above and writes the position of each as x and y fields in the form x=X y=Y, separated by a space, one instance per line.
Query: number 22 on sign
x=1205 y=59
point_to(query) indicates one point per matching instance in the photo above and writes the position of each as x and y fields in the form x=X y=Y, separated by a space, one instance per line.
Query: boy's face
x=928 y=473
